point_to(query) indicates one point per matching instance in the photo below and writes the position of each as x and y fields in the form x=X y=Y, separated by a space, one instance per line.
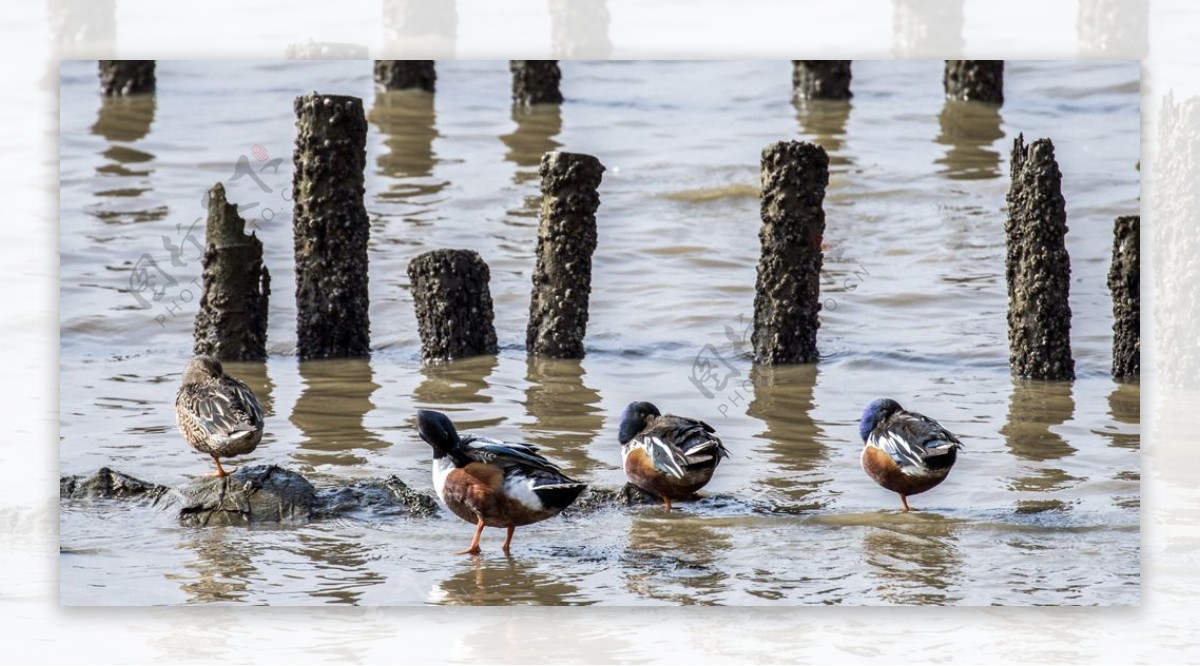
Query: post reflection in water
x=1034 y=408
x=534 y=136
x=408 y=121
x=915 y=559
x=488 y=581
x=219 y=572
x=1125 y=408
x=126 y=171
x=337 y=566
x=783 y=401
x=823 y=122
x=674 y=558
x=969 y=129
x=566 y=413
x=336 y=394
x=457 y=386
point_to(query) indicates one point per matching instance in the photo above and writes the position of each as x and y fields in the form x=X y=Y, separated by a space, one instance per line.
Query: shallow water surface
x=1042 y=507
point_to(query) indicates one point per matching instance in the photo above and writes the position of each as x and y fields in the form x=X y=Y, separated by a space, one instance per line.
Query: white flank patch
x=441 y=469
x=519 y=487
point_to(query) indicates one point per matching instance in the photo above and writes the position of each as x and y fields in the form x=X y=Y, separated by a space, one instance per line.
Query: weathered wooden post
x=331 y=227
x=926 y=28
x=119 y=78
x=562 y=279
x=1037 y=267
x=405 y=75
x=232 y=322
x=1124 y=277
x=453 y=304
x=579 y=29
x=535 y=82
x=974 y=80
x=821 y=79
x=788 y=292
x=426 y=28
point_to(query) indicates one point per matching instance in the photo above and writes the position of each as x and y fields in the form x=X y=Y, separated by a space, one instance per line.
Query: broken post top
x=225 y=227
x=1034 y=162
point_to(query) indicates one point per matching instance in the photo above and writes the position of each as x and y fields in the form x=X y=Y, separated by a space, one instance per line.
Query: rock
x=259 y=494
x=255 y=495
x=597 y=499
x=108 y=484
x=387 y=497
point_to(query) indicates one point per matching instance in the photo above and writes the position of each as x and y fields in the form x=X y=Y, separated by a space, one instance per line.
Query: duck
x=493 y=483
x=905 y=452
x=670 y=457
x=217 y=413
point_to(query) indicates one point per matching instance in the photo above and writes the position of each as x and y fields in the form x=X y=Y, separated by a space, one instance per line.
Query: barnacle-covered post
x=405 y=75
x=535 y=82
x=453 y=304
x=977 y=80
x=562 y=279
x=821 y=79
x=1037 y=267
x=788 y=292
x=330 y=227
x=232 y=322
x=119 y=78
x=1124 y=281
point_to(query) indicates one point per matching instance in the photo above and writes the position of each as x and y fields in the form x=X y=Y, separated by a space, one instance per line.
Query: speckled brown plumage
x=217 y=414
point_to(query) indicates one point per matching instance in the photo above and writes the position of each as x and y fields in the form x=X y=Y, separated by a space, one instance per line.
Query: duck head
x=876 y=413
x=634 y=418
x=202 y=369
x=438 y=431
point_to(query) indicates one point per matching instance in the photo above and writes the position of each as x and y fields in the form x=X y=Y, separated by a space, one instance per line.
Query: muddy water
x=1041 y=509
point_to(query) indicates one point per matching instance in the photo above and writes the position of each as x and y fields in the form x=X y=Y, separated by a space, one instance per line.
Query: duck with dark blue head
x=668 y=456
x=905 y=452
x=493 y=483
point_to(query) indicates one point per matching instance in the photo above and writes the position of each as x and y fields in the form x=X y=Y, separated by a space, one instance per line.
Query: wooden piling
x=788 y=291
x=232 y=322
x=1124 y=277
x=1037 y=267
x=405 y=75
x=330 y=227
x=453 y=304
x=535 y=82
x=821 y=79
x=562 y=279
x=120 y=78
x=974 y=80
